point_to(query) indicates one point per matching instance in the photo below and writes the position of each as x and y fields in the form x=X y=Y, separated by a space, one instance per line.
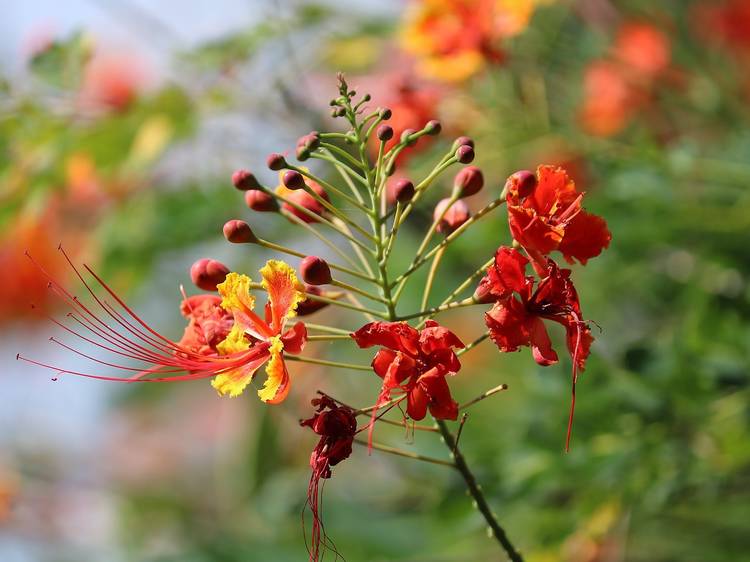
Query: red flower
x=516 y=318
x=550 y=217
x=208 y=324
x=336 y=426
x=415 y=363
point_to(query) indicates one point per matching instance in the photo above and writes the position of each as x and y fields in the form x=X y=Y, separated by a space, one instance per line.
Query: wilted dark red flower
x=521 y=305
x=415 y=363
x=336 y=426
x=551 y=218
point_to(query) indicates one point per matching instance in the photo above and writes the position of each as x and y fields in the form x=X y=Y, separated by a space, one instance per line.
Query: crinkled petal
x=237 y=299
x=586 y=236
x=507 y=274
x=554 y=190
x=434 y=337
x=533 y=230
x=398 y=336
x=508 y=324
x=276 y=387
x=235 y=341
x=284 y=291
x=234 y=382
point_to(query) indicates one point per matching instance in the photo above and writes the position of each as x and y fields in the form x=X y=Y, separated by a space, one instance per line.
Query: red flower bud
x=465 y=154
x=308 y=306
x=455 y=216
x=385 y=132
x=385 y=114
x=293 y=180
x=207 y=273
x=468 y=181
x=244 y=180
x=261 y=201
x=276 y=161
x=461 y=141
x=402 y=190
x=306 y=144
x=433 y=127
x=315 y=270
x=239 y=232
x=523 y=182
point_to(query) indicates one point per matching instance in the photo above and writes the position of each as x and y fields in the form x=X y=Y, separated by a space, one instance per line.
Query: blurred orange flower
x=454 y=39
x=615 y=88
x=112 y=81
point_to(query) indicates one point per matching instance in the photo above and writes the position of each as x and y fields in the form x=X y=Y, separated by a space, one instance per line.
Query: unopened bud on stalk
x=454 y=217
x=522 y=181
x=308 y=306
x=315 y=270
x=276 y=161
x=293 y=180
x=433 y=127
x=483 y=292
x=261 y=201
x=244 y=180
x=385 y=114
x=385 y=132
x=306 y=144
x=468 y=181
x=403 y=190
x=207 y=273
x=239 y=232
x=465 y=154
x=406 y=137
x=461 y=141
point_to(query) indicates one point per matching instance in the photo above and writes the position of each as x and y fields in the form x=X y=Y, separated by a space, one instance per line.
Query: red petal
x=398 y=336
x=434 y=337
x=507 y=274
x=295 y=338
x=442 y=406
x=586 y=235
x=416 y=403
x=554 y=189
x=541 y=346
x=508 y=324
x=532 y=230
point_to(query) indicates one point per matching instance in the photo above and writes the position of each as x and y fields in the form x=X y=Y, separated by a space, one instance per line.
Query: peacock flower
x=224 y=339
x=547 y=215
x=267 y=337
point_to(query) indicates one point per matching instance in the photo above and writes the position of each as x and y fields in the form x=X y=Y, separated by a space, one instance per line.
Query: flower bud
x=465 y=154
x=433 y=127
x=405 y=137
x=308 y=306
x=306 y=144
x=261 y=201
x=403 y=190
x=244 y=180
x=468 y=181
x=454 y=217
x=385 y=114
x=207 y=273
x=385 y=132
x=461 y=141
x=276 y=161
x=315 y=270
x=483 y=292
x=293 y=180
x=523 y=182
x=239 y=232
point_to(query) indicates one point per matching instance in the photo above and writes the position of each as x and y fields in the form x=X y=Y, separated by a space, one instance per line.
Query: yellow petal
x=234 y=342
x=277 y=385
x=284 y=291
x=235 y=292
x=234 y=382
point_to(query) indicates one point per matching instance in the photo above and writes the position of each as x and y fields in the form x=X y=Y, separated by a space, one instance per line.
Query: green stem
x=476 y=492
x=337 y=364
x=402 y=453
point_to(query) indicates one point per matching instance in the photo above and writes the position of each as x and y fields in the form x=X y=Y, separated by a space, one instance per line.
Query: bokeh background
x=120 y=124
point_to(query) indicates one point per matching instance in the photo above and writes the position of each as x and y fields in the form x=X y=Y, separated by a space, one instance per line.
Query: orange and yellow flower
x=454 y=39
